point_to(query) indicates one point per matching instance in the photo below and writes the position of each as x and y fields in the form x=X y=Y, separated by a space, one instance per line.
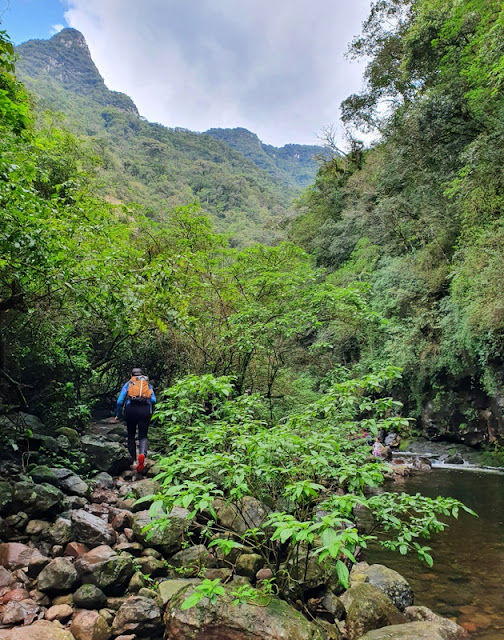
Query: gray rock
x=90 y=529
x=413 y=631
x=368 y=608
x=60 y=532
x=37 y=499
x=58 y=576
x=167 y=538
x=111 y=457
x=390 y=582
x=104 y=480
x=333 y=604
x=449 y=629
x=89 y=596
x=64 y=479
x=249 y=514
x=138 y=615
x=112 y=576
x=192 y=560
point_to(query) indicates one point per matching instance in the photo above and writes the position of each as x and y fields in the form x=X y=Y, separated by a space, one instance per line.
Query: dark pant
x=137 y=415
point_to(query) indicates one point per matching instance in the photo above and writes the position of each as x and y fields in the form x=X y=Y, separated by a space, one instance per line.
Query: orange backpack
x=139 y=390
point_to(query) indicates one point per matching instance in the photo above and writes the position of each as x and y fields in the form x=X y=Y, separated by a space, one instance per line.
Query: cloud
x=275 y=67
x=56 y=28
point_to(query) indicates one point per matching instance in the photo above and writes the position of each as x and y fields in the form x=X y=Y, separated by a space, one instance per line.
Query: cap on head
x=136 y=371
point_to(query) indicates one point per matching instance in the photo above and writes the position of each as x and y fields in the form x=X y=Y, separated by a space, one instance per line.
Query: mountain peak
x=65 y=59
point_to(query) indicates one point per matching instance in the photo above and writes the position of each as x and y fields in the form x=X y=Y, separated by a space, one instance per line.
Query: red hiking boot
x=141 y=463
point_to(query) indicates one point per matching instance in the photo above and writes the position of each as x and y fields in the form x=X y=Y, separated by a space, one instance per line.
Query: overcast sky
x=276 y=67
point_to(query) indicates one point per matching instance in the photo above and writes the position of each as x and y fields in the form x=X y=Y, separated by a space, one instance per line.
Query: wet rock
x=413 y=631
x=23 y=612
x=90 y=625
x=90 y=529
x=368 y=608
x=40 y=630
x=107 y=456
x=37 y=499
x=390 y=582
x=138 y=615
x=14 y=555
x=89 y=596
x=448 y=629
x=248 y=564
x=453 y=458
x=250 y=514
x=112 y=576
x=222 y=620
x=168 y=539
x=61 y=612
x=59 y=576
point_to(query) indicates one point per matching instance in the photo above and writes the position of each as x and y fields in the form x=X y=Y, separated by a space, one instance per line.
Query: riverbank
x=77 y=563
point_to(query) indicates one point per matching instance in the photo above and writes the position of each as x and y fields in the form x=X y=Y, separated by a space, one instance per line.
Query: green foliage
x=297 y=467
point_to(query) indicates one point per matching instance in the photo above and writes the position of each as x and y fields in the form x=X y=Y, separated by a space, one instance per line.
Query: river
x=466 y=582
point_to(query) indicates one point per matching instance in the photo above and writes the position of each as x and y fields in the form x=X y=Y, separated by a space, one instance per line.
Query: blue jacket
x=123 y=399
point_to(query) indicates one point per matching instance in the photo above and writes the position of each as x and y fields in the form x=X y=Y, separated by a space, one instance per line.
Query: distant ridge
x=245 y=185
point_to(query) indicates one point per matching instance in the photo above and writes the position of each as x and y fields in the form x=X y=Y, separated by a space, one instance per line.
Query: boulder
x=64 y=479
x=37 y=499
x=112 y=576
x=60 y=532
x=107 y=456
x=221 y=620
x=368 y=608
x=387 y=580
x=89 y=596
x=248 y=564
x=449 y=629
x=138 y=615
x=61 y=612
x=90 y=529
x=153 y=567
x=90 y=561
x=168 y=538
x=90 y=625
x=249 y=514
x=14 y=555
x=104 y=480
x=21 y=612
x=192 y=560
x=413 y=631
x=59 y=576
x=40 y=630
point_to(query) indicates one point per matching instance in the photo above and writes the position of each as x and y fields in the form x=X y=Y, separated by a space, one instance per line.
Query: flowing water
x=466 y=582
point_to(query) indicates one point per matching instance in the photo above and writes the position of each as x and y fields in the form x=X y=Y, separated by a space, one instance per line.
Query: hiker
x=377 y=448
x=138 y=398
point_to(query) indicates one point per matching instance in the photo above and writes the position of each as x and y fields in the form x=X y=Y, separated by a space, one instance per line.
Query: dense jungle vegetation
x=418 y=217
x=403 y=253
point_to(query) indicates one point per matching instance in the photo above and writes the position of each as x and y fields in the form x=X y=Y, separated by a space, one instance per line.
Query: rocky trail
x=77 y=564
